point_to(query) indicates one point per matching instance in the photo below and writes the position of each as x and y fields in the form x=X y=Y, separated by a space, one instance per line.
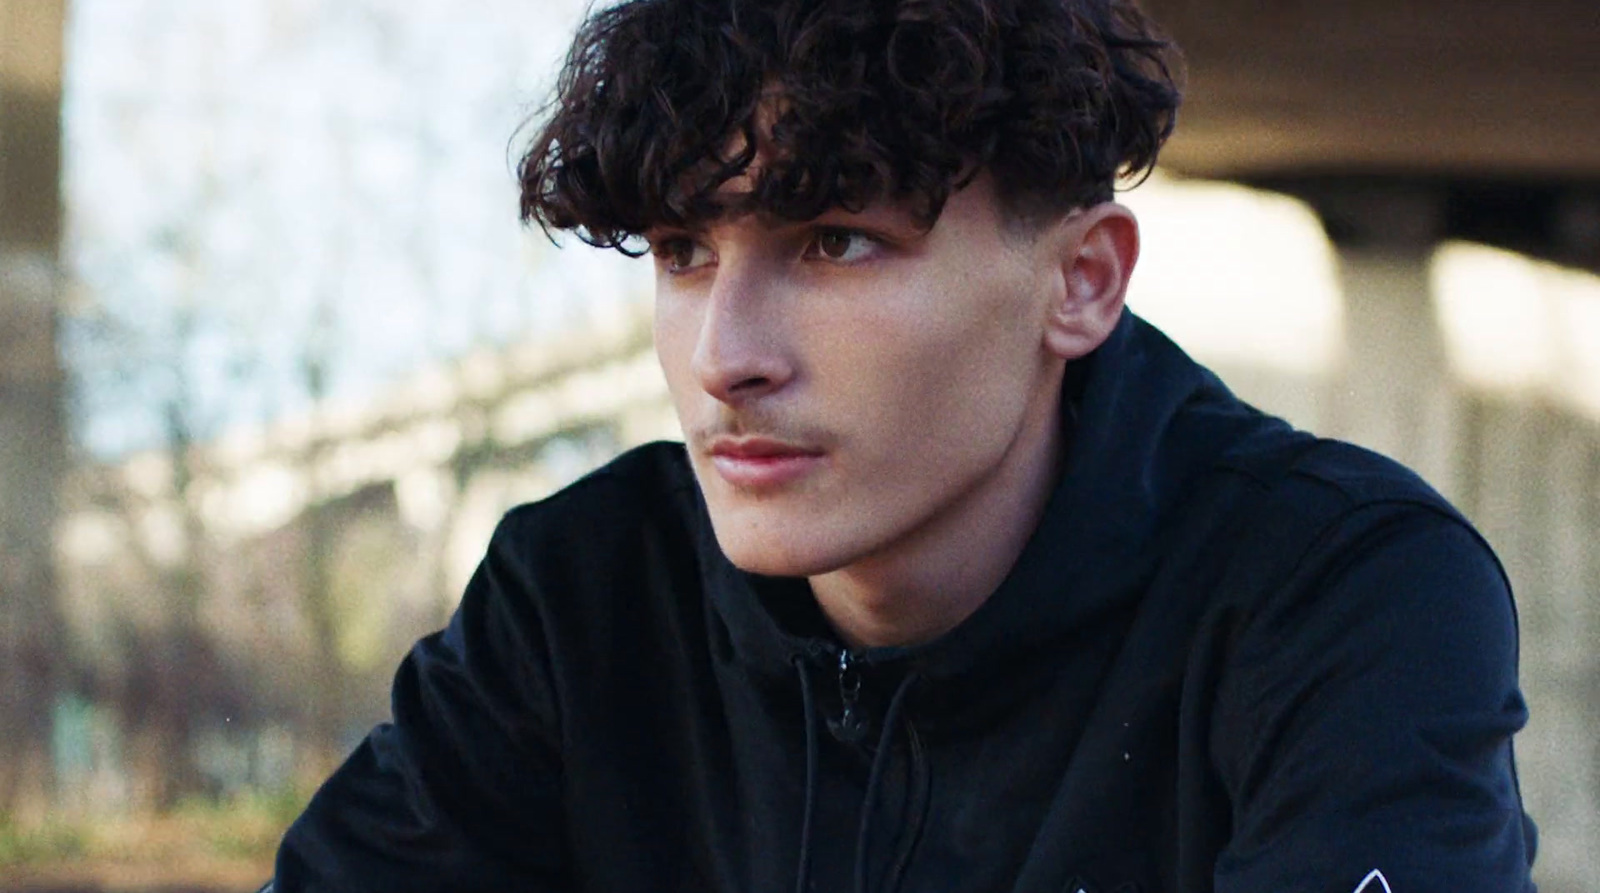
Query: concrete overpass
x=1485 y=115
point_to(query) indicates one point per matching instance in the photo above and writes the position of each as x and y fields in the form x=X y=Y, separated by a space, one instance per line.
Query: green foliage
x=242 y=828
x=363 y=574
x=46 y=843
x=248 y=826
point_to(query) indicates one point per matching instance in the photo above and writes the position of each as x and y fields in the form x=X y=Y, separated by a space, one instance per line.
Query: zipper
x=851 y=727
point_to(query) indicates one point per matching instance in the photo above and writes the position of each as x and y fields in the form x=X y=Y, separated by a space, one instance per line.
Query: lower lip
x=764 y=472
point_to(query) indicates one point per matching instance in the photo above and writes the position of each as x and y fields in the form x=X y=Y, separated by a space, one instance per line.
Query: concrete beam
x=1429 y=87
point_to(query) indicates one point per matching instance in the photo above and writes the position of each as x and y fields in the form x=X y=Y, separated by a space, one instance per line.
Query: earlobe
x=1098 y=248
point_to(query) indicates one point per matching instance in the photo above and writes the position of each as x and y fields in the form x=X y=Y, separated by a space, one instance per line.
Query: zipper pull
x=850 y=727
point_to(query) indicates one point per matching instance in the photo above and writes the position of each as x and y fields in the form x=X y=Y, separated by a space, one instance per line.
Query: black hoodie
x=1232 y=657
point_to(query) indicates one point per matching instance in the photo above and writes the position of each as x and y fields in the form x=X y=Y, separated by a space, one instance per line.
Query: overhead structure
x=1491 y=108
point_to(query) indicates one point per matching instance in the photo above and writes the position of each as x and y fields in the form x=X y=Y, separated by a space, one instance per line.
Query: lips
x=758 y=463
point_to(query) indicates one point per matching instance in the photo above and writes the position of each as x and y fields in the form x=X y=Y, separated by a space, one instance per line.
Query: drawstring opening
x=869 y=805
x=922 y=778
x=807 y=703
x=920 y=782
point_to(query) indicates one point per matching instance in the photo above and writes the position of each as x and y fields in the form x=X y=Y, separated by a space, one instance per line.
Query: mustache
x=730 y=422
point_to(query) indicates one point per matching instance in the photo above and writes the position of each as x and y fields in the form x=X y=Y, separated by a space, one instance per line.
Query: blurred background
x=275 y=356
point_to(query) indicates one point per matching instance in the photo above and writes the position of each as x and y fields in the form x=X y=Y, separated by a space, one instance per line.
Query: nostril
x=753 y=383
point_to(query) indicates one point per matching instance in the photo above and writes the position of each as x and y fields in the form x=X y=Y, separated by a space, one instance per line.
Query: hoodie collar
x=1131 y=449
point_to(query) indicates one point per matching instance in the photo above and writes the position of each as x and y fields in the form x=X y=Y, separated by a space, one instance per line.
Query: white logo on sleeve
x=1373 y=883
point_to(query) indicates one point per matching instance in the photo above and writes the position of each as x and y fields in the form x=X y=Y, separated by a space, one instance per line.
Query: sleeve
x=1363 y=728
x=462 y=791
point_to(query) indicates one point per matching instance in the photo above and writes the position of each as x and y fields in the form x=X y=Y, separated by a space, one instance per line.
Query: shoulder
x=619 y=530
x=1338 y=530
x=650 y=485
x=1357 y=545
x=1318 y=493
x=1359 y=476
x=606 y=568
x=1308 y=475
x=1368 y=693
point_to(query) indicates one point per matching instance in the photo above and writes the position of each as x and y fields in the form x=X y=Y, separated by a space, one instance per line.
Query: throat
x=929 y=582
x=865 y=615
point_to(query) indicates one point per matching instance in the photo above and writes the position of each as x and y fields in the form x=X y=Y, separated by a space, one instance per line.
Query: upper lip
x=757 y=448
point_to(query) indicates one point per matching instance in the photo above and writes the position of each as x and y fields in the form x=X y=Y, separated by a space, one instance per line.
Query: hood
x=1145 y=423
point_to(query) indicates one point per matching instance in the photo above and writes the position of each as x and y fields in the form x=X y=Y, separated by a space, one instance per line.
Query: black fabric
x=1232 y=658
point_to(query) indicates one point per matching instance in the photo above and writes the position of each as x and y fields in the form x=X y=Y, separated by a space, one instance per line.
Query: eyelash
x=665 y=249
x=838 y=231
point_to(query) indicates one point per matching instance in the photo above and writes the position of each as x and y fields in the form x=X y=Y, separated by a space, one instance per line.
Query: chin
x=768 y=557
x=773 y=545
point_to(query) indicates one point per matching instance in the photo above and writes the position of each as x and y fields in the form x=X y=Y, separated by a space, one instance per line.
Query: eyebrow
x=883 y=214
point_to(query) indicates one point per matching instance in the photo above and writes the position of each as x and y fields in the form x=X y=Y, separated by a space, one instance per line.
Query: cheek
x=970 y=342
x=947 y=388
x=676 y=331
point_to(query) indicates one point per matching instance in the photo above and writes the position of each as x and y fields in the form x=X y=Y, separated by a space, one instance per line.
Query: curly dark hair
x=845 y=102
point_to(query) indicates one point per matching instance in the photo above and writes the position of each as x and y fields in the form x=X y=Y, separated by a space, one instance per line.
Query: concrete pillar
x=32 y=430
x=1394 y=393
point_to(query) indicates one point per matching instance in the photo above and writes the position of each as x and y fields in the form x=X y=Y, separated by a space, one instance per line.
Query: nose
x=740 y=354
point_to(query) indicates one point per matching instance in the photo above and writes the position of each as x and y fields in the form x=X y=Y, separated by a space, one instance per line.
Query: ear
x=1097 y=248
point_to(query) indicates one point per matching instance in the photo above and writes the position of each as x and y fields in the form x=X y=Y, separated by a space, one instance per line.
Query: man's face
x=848 y=383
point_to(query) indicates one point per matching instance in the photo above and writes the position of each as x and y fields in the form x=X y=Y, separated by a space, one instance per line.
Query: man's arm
x=1364 y=727
x=462 y=791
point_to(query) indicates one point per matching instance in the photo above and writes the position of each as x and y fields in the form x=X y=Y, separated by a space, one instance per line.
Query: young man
x=966 y=578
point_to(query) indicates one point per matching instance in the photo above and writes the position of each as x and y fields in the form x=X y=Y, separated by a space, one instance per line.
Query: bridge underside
x=1490 y=108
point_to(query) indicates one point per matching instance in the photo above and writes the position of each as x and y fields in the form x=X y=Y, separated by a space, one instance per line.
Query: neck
x=925 y=584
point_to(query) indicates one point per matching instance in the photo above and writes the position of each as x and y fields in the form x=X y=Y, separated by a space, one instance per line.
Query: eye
x=679 y=254
x=842 y=245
